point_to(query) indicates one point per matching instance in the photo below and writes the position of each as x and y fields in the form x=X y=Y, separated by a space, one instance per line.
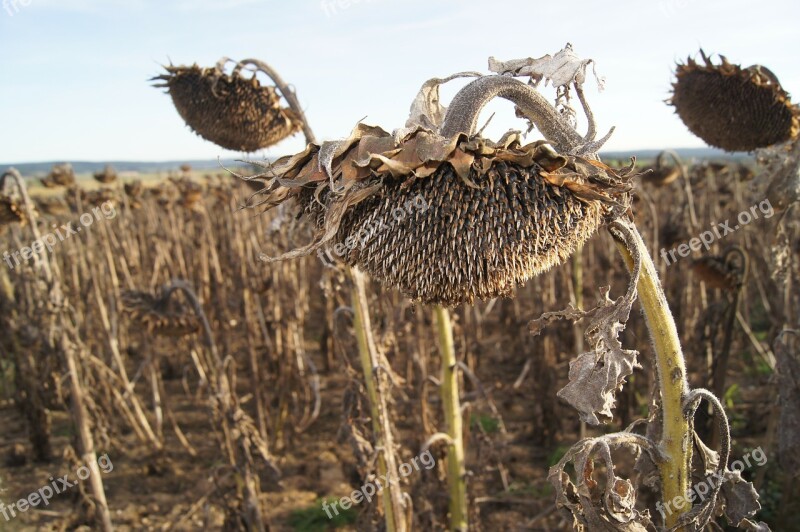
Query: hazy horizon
x=76 y=85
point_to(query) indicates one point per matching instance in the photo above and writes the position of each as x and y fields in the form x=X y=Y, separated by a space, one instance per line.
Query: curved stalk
x=188 y=291
x=676 y=442
x=286 y=92
x=60 y=338
x=40 y=260
x=462 y=115
x=456 y=470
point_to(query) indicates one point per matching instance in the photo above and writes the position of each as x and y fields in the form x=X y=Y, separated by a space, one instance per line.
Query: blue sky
x=74 y=72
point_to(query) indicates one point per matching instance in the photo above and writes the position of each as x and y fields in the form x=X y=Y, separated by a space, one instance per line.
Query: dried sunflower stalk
x=481 y=200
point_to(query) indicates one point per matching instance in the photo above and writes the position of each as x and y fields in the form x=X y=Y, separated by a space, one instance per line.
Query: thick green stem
x=384 y=441
x=456 y=470
x=676 y=432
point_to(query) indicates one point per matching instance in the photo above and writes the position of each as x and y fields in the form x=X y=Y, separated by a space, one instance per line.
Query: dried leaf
x=427 y=111
x=596 y=375
x=738 y=498
x=614 y=508
x=747 y=524
x=562 y=69
x=332 y=149
x=462 y=164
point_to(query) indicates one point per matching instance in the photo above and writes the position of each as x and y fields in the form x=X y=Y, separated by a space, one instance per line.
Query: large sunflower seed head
x=446 y=221
x=231 y=110
x=734 y=108
x=442 y=241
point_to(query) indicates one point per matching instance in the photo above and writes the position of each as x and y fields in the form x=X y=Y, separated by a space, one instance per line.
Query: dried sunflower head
x=726 y=272
x=60 y=175
x=734 y=108
x=445 y=220
x=661 y=174
x=230 y=110
x=92 y=198
x=190 y=193
x=134 y=189
x=107 y=175
x=159 y=314
x=11 y=210
x=12 y=207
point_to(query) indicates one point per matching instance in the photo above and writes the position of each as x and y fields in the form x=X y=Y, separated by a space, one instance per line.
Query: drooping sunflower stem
x=456 y=470
x=286 y=91
x=381 y=424
x=676 y=436
x=462 y=114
